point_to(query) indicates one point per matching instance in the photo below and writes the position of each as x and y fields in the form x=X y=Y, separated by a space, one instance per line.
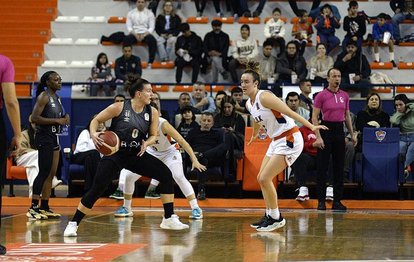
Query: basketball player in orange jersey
x=136 y=123
x=277 y=119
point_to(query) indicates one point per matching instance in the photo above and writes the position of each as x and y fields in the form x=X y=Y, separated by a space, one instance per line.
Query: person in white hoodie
x=140 y=25
x=275 y=30
x=242 y=51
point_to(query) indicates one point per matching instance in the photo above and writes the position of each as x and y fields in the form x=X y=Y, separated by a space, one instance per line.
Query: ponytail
x=43 y=82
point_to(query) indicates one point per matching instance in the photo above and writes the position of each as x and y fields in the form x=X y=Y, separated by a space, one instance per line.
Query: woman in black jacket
x=372 y=116
x=167 y=26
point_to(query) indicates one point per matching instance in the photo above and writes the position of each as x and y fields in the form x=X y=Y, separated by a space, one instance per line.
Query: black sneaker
x=337 y=205
x=201 y=195
x=271 y=224
x=2 y=250
x=258 y=223
x=321 y=206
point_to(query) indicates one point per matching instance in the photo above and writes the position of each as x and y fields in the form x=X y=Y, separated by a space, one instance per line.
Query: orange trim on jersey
x=288 y=134
x=279 y=117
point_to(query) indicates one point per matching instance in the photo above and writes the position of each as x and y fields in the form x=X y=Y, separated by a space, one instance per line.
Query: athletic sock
x=168 y=209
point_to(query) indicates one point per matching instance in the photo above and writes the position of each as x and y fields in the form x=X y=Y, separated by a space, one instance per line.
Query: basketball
x=110 y=143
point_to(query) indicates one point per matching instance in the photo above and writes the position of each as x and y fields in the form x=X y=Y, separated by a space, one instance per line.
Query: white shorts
x=168 y=157
x=290 y=149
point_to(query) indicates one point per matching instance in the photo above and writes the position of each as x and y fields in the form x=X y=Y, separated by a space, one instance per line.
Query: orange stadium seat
x=163 y=65
x=225 y=20
x=382 y=90
x=215 y=88
x=197 y=20
x=25 y=77
x=249 y=20
x=160 y=88
x=381 y=65
x=117 y=20
x=14 y=173
x=295 y=20
x=183 y=88
x=406 y=44
x=253 y=156
x=405 y=89
x=405 y=65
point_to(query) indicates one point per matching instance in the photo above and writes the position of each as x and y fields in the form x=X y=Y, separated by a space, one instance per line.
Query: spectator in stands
x=167 y=26
x=200 y=99
x=127 y=64
x=293 y=101
x=315 y=9
x=207 y=144
x=216 y=46
x=371 y=116
x=403 y=10
x=234 y=126
x=28 y=157
x=267 y=64
x=319 y=65
x=291 y=67
x=302 y=30
x=188 y=121
x=404 y=119
x=306 y=102
x=354 y=26
x=86 y=154
x=153 y=5
x=101 y=73
x=140 y=25
x=275 y=30
x=188 y=48
x=355 y=69
x=325 y=25
x=237 y=94
x=217 y=101
x=305 y=163
x=200 y=8
x=156 y=98
x=242 y=50
x=184 y=100
x=334 y=105
x=382 y=32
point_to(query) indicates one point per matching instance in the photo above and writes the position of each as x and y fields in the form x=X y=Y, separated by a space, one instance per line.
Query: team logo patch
x=146 y=117
x=380 y=135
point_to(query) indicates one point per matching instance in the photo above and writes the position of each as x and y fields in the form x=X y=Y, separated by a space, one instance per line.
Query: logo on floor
x=67 y=252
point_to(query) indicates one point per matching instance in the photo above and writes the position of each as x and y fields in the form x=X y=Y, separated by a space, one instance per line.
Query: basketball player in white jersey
x=171 y=157
x=277 y=119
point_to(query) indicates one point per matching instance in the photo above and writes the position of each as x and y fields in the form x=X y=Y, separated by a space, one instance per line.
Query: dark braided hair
x=43 y=82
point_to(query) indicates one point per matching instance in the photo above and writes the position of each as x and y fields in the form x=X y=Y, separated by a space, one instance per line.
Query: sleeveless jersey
x=131 y=127
x=274 y=122
x=53 y=109
x=162 y=143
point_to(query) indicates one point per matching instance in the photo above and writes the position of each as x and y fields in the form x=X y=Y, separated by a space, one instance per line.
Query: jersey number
x=135 y=133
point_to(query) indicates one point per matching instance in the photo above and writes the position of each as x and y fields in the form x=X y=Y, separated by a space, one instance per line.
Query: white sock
x=376 y=55
x=391 y=56
x=127 y=203
x=274 y=213
x=267 y=211
x=194 y=203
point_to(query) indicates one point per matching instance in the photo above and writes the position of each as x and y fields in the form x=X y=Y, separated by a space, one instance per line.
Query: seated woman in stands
x=319 y=65
x=187 y=121
x=404 y=119
x=167 y=26
x=86 y=154
x=372 y=116
x=101 y=73
x=29 y=156
x=234 y=127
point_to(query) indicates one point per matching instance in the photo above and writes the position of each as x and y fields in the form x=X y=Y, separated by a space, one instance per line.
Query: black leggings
x=46 y=146
x=203 y=5
x=334 y=140
x=109 y=167
x=90 y=160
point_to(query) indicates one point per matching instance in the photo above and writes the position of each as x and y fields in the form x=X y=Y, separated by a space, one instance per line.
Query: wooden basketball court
x=370 y=230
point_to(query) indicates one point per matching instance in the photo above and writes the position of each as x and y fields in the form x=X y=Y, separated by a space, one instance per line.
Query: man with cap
x=188 y=48
x=354 y=68
x=216 y=47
